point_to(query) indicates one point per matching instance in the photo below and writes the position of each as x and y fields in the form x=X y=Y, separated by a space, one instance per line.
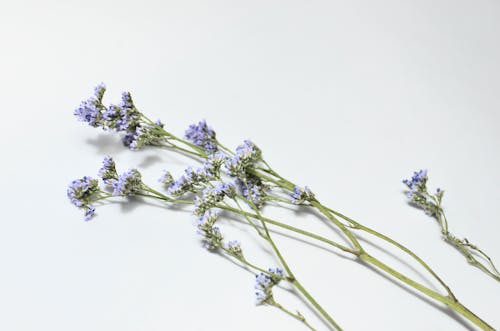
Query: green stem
x=309 y=298
x=291 y=276
x=339 y=224
x=450 y=302
x=244 y=261
x=291 y=228
x=398 y=245
x=296 y=316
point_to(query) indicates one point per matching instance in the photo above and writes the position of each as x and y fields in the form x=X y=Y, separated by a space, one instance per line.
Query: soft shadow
x=106 y=144
x=129 y=204
x=308 y=211
x=400 y=260
x=150 y=160
x=459 y=319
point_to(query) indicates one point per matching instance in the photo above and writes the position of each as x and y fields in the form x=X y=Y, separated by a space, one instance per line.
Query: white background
x=348 y=97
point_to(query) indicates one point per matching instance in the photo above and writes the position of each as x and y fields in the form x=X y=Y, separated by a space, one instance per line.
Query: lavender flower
x=90 y=111
x=212 y=236
x=108 y=171
x=253 y=190
x=300 y=195
x=214 y=163
x=211 y=196
x=234 y=248
x=166 y=178
x=128 y=183
x=203 y=136
x=264 y=284
x=82 y=193
x=99 y=91
x=144 y=135
x=419 y=196
x=417 y=182
x=89 y=213
x=194 y=180
x=159 y=123
x=247 y=154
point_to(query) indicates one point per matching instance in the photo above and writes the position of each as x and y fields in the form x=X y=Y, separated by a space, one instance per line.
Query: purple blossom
x=300 y=195
x=211 y=196
x=418 y=180
x=166 y=178
x=99 y=91
x=90 y=111
x=128 y=183
x=247 y=154
x=89 y=213
x=203 y=136
x=159 y=123
x=253 y=190
x=234 y=247
x=108 y=171
x=419 y=196
x=264 y=284
x=212 y=236
x=82 y=192
x=127 y=100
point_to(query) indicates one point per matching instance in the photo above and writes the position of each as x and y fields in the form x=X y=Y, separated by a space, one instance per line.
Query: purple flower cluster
x=203 y=136
x=211 y=196
x=90 y=110
x=301 y=195
x=234 y=247
x=212 y=236
x=247 y=154
x=166 y=178
x=417 y=183
x=419 y=196
x=123 y=117
x=264 y=284
x=194 y=180
x=82 y=193
x=108 y=171
x=253 y=190
x=144 y=135
x=128 y=183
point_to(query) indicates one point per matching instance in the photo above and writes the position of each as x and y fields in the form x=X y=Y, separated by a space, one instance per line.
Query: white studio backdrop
x=346 y=97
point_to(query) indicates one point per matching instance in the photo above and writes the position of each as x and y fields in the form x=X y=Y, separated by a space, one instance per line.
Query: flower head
x=166 y=178
x=300 y=195
x=253 y=189
x=108 y=171
x=90 y=111
x=99 y=91
x=247 y=154
x=418 y=181
x=264 y=283
x=212 y=236
x=144 y=135
x=419 y=196
x=128 y=183
x=202 y=135
x=211 y=196
x=82 y=193
x=234 y=247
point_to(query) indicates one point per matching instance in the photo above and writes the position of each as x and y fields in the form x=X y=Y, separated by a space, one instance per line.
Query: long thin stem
x=450 y=302
x=297 y=315
x=359 y=226
x=294 y=280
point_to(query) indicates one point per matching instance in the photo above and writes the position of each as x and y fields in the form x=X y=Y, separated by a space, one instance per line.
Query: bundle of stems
x=239 y=182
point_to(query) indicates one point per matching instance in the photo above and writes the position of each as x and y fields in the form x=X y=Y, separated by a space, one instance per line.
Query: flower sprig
x=431 y=203
x=244 y=176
